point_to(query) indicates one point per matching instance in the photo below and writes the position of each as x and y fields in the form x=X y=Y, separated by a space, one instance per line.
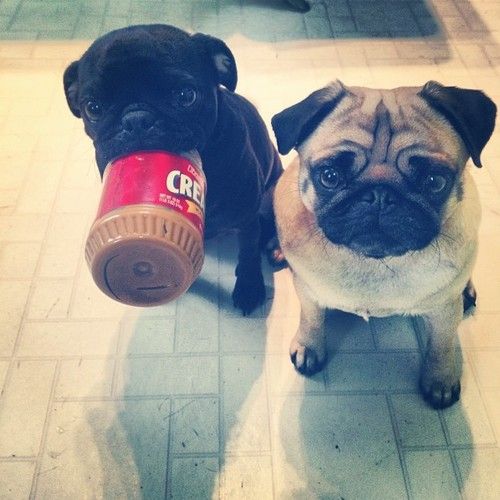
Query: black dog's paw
x=440 y=395
x=249 y=293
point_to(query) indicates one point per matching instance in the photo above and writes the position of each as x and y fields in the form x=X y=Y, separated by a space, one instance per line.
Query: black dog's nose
x=137 y=121
x=382 y=196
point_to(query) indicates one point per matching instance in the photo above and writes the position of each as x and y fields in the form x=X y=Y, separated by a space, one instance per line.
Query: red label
x=156 y=178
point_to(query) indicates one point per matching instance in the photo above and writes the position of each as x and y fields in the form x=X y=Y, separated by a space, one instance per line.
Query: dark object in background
x=300 y=5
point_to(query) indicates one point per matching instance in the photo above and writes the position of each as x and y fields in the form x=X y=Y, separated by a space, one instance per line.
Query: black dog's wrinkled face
x=149 y=88
x=382 y=171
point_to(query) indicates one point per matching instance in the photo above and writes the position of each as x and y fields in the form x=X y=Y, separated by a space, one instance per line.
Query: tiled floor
x=190 y=400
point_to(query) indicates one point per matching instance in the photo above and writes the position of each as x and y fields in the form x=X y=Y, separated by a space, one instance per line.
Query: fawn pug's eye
x=332 y=174
x=330 y=177
x=435 y=177
x=435 y=183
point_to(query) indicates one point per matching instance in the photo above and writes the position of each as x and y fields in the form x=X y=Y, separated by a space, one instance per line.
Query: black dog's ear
x=294 y=124
x=222 y=58
x=470 y=112
x=70 y=80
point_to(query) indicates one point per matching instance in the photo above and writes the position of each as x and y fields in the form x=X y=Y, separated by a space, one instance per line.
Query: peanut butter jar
x=145 y=246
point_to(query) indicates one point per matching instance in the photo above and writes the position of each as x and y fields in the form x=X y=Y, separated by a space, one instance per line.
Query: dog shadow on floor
x=369 y=434
x=209 y=405
x=187 y=377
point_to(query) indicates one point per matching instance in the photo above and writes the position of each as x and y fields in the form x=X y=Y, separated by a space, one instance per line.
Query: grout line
x=152 y=397
x=218 y=478
x=444 y=447
x=480 y=389
x=18 y=459
x=168 y=451
x=399 y=446
x=448 y=447
x=270 y=416
x=114 y=375
x=45 y=431
x=195 y=455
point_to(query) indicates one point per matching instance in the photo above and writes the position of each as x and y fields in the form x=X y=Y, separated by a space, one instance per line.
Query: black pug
x=156 y=87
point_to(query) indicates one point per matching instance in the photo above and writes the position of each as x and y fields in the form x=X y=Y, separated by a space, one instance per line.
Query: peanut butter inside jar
x=145 y=246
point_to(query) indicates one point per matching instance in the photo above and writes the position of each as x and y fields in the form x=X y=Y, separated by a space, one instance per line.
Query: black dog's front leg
x=249 y=290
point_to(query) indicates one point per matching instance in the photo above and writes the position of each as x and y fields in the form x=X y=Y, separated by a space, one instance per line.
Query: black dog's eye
x=330 y=177
x=435 y=183
x=185 y=96
x=93 y=110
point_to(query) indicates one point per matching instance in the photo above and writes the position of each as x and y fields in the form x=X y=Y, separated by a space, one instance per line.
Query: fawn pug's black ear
x=222 y=59
x=70 y=80
x=294 y=124
x=470 y=112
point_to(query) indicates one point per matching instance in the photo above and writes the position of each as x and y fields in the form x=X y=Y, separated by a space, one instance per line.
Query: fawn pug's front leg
x=440 y=373
x=308 y=347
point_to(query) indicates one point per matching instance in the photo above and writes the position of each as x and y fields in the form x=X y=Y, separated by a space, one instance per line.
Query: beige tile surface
x=190 y=400
x=24 y=407
x=16 y=478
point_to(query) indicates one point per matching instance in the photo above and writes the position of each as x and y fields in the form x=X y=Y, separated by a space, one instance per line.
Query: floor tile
x=13 y=297
x=74 y=338
x=394 y=333
x=23 y=412
x=346 y=332
x=194 y=478
x=492 y=402
x=347 y=371
x=39 y=191
x=319 y=440
x=418 y=424
x=479 y=472
x=8 y=337
x=167 y=376
x=485 y=364
x=282 y=378
x=147 y=336
x=50 y=300
x=431 y=475
x=480 y=331
x=18 y=260
x=245 y=410
x=195 y=428
x=61 y=259
x=247 y=477
x=114 y=448
x=197 y=319
x=22 y=227
x=85 y=378
x=243 y=334
x=467 y=422
x=16 y=480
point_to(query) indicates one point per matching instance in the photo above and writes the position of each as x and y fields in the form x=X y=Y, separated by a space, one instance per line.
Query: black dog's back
x=242 y=166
